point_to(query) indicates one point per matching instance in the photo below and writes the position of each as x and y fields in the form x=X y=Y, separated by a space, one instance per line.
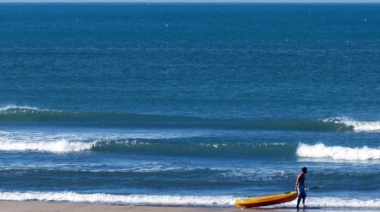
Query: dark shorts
x=301 y=191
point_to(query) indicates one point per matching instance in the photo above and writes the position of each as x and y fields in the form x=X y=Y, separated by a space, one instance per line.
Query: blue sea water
x=189 y=104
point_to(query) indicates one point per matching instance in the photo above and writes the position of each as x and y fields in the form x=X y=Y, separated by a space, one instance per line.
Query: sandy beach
x=35 y=206
x=26 y=206
x=39 y=206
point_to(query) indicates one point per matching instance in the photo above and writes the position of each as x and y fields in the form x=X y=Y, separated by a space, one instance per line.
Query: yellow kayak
x=267 y=200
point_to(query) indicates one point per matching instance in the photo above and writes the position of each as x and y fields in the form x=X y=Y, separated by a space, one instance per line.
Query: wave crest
x=25 y=109
x=338 y=152
x=357 y=126
x=163 y=200
x=61 y=146
x=65 y=143
x=32 y=115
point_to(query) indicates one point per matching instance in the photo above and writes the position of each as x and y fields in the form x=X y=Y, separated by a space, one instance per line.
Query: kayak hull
x=267 y=200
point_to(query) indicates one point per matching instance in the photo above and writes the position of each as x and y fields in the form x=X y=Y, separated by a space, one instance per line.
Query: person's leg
x=298 y=201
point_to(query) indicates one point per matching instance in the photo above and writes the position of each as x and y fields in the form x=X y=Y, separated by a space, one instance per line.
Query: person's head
x=304 y=170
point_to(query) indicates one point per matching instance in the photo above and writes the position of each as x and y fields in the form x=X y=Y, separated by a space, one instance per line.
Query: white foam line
x=24 y=109
x=164 y=200
x=338 y=152
x=57 y=146
x=74 y=141
x=177 y=200
x=340 y=203
x=359 y=126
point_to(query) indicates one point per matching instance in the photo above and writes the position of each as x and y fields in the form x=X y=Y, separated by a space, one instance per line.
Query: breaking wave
x=357 y=126
x=31 y=115
x=60 y=146
x=338 y=152
x=181 y=147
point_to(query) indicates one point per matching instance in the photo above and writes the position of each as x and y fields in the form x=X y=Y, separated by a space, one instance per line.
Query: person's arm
x=297 y=181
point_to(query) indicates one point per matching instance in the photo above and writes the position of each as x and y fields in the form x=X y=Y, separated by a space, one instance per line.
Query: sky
x=298 y=1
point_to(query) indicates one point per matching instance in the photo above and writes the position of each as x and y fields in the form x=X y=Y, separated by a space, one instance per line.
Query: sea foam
x=164 y=200
x=358 y=126
x=64 y=142
x=14 y=109
x=34 y=141
x=56 y=146
x=339 y=203
x=178 y=200
x=338 y=152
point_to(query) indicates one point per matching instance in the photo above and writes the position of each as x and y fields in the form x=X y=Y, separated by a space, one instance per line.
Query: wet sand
x=36 y=206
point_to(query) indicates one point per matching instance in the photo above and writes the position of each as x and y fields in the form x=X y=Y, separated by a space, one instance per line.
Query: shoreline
x=41 y=206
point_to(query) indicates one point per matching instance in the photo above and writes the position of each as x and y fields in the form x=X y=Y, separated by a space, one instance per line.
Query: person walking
x=301 y=187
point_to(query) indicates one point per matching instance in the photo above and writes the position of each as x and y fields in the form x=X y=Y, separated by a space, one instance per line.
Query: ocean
x=170 y=104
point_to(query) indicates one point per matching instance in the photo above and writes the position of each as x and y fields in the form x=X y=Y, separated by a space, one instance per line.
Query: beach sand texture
x=15 y=206
x=37 y=206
